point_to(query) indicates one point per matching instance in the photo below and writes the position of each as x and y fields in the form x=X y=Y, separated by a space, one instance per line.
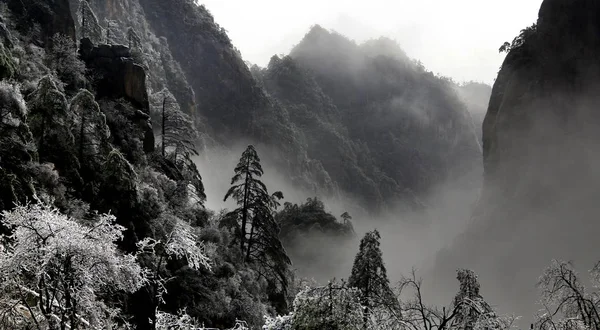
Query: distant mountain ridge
x=383 y=127
x=361 y=120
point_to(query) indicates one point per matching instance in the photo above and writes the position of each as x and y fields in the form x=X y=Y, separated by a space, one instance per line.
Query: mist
x=459 y=39
x=410 y=239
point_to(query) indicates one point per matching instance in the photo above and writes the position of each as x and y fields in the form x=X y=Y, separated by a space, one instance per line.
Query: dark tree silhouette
x=257 y=229
x=369 y=275
x=346 y=217
x=247 y=189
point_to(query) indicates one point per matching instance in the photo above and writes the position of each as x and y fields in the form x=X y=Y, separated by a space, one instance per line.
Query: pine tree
x=177 y=140
x=90 y=27
x=256 y=226
x=247 y=189
x=134 y=40
x=469 y=302
x=90 y=129
x=346 y=217
x=178 y=133
x=369 y=275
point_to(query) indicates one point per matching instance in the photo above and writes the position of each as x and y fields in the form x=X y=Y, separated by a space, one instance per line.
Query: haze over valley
x=274 y=165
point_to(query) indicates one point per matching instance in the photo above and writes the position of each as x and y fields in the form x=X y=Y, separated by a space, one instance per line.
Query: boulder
x=118 y=76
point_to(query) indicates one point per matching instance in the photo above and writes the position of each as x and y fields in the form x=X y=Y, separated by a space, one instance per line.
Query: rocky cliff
x=541 y=157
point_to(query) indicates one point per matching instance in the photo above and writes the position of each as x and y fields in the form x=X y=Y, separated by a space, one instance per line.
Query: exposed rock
x=134 y=81
x=120 y=51
x=541 y=157
x=119 y=76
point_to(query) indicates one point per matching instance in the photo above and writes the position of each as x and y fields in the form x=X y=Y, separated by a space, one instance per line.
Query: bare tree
x=566 y=303
x=417 y=315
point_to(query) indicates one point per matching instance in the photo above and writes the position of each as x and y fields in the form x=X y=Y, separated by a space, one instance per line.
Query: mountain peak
x=321 y=39
x=384 y=46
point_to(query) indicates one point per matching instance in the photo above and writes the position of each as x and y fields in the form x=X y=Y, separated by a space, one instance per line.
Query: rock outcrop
x=117 y=75
x=541 y=158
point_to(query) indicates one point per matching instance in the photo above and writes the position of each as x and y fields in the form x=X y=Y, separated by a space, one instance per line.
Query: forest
x=107 y=107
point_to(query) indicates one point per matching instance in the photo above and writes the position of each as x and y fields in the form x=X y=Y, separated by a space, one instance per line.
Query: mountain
x=540 y=151
x=370 y=124
x=108 y=104
x=383 y=128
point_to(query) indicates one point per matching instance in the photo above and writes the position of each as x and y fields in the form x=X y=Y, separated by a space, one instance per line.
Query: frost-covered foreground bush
x=339 y=306
x=326 y=307
x=279 y=322
x=53 y=269
x=56 y=271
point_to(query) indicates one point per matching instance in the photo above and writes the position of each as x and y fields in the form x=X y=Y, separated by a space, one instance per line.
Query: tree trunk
x=163 y=128
x=82 y=21
x=366 y=303
x=250 y=239
x=245 y=207
x=81 y=135
x=42 y=133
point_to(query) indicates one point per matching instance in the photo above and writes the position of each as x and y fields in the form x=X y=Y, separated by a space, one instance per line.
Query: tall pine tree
x=370 y=277
x=257 y=229
x=468 y=301
x=247 y=190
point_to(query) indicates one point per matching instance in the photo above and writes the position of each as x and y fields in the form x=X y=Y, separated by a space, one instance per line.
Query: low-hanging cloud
x=409 y=238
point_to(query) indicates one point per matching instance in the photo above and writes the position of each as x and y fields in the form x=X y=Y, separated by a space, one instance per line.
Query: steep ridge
x=408 y=144
x=541 y=157
x=383 y=127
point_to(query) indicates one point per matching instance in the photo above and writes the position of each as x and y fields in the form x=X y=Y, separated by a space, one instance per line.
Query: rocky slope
x=541 y=158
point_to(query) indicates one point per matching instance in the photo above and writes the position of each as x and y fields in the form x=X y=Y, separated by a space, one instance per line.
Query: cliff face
x=541 y=158
x=225 y=91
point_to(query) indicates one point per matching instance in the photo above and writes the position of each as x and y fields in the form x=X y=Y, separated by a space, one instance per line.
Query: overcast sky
x=458 y=38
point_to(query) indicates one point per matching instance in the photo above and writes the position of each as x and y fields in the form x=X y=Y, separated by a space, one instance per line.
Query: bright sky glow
x=458 y=38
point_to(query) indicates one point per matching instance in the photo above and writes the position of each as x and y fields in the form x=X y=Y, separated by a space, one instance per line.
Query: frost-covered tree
x=89 y=24
x=89 y=127
x=182 y=244
x=567 y=304
x=334 y=306
x=280 y=322
x=48 y=114
x=467 y=310
x=57 y=268
x=118 y=194
x=178 y=134
x=16 y=147
x=63 y=59
x=177 y=141
x=369 y=276
x=181 y=321
x=133 y=39
x=469 y=292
